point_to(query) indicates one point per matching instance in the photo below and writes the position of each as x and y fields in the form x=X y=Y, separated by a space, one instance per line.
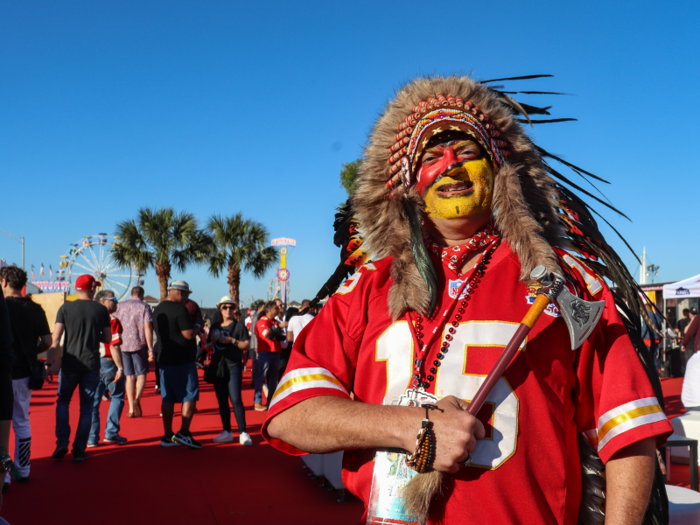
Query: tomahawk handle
x=533 y=314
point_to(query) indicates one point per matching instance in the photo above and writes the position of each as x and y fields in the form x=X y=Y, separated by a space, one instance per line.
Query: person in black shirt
x=231 y=341
x=31 y=334
x=86 y=324
x=179 y=382
x=683 y=322
x=6 y=397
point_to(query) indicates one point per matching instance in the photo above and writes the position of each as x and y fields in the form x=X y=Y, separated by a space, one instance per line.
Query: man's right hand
x=150 y=356
x=456 y=432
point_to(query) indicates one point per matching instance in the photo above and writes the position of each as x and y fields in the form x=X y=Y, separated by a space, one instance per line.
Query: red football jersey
x=117 y=331
x=262 y=330
x=527 y=469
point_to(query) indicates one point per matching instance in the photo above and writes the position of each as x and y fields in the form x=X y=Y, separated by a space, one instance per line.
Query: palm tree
x=161 y=239
x=239 y=244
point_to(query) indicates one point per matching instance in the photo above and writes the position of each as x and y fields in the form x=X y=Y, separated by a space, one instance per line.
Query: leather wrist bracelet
x=424 y=455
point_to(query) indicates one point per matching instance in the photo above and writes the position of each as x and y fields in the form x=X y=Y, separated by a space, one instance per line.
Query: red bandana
x=454 y=257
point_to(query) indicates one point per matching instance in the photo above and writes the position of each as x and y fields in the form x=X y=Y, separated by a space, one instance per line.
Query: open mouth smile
x=456 y=189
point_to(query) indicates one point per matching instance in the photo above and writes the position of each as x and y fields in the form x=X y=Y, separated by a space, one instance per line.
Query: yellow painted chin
x=480 y=173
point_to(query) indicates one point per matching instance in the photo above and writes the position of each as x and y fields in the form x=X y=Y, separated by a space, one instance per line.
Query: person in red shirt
x=455 y=205
x=269 y=336
x=112 y=378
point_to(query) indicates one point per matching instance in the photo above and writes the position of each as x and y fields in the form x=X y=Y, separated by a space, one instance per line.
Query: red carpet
x=142 y=482
x=220 y=484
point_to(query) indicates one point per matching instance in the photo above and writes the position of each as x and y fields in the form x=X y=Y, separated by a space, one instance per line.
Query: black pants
x=230 y=388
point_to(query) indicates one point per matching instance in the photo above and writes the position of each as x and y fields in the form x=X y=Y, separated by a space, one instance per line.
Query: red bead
x=448 y=337
x=455 y=323
x=458 y=317
x=452 y=330
x=461 y=310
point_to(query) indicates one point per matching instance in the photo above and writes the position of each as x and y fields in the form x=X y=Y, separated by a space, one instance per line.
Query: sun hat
x=85 y=283
x=180 y=285
x=225 y=300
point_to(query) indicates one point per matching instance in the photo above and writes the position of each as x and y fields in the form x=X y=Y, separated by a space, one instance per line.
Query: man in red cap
x=86 y=324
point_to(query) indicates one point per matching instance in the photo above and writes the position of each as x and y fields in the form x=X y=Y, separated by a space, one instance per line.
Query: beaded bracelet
x=424 y=455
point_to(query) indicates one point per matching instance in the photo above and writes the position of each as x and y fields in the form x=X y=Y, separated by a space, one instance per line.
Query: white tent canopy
x=684 y=289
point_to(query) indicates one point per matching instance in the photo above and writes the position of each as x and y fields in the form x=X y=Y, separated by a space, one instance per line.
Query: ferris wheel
x=93 y=255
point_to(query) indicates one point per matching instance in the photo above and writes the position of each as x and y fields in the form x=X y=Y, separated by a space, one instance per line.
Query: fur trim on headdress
x=525 y=197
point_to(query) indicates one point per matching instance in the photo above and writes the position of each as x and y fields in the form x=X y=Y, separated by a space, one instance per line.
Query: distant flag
x=41 y=270
x=33 y=276
x=50 y=272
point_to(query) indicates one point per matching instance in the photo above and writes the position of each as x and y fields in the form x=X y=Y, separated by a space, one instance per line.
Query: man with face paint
x=456 y=206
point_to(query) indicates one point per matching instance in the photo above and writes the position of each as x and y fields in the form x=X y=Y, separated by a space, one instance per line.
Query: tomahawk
x=580 y=316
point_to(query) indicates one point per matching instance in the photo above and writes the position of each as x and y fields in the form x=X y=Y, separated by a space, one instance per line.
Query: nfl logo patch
x=454 y=287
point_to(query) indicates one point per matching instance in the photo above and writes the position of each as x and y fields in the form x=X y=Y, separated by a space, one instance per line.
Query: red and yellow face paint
x=456 y=180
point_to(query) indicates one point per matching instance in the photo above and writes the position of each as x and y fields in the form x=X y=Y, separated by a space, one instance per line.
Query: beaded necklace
x=462 y=297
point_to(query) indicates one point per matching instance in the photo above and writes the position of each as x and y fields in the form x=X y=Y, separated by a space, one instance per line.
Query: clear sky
x=220 y=107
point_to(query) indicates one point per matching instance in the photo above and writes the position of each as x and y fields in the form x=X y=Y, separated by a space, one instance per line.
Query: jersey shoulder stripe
x=306 y=379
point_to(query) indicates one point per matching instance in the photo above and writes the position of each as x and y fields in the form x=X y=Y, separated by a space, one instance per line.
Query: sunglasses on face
x=227 y=307
x=112 y=299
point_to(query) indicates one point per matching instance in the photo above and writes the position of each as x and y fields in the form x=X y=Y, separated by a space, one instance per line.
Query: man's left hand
x=118 y=376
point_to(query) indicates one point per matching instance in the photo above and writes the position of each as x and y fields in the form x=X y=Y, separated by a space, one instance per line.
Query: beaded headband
x=430 y=115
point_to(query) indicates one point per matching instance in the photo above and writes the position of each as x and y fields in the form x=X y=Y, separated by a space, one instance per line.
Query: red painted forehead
x=443 y=154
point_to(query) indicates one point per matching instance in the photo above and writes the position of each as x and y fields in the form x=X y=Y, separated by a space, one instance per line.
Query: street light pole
x=15 y=238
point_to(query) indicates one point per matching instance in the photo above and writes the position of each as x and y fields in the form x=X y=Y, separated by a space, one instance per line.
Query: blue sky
x=221 y=107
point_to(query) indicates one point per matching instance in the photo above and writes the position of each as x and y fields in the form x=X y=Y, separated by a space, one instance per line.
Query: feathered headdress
x=534 y=205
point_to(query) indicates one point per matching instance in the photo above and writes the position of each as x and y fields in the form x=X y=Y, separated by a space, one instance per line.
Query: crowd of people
x=106 y=349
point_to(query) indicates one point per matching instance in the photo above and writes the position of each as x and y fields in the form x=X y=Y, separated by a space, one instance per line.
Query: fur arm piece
x=420 y=492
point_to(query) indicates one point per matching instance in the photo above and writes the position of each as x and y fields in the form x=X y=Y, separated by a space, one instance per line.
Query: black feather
x=535 y=110
x=546 y=121
x=579 y=188
x=526 y=77
x=543 y=93
x=565 y=163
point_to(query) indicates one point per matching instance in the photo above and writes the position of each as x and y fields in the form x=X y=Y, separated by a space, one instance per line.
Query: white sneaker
x=244 y=439
x=266 y=391
x=224 y=437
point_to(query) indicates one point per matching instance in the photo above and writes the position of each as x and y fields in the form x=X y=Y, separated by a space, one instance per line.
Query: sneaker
x=266 y=390
x=224 y=437
x=79 y=456
x=117 y=440
x=260 y=407
x=59 y=453
x=187 y=440
x=168 y=441
x=244 y=439
x=92 y=444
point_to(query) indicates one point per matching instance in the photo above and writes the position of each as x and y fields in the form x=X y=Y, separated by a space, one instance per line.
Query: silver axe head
x=580 y=316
